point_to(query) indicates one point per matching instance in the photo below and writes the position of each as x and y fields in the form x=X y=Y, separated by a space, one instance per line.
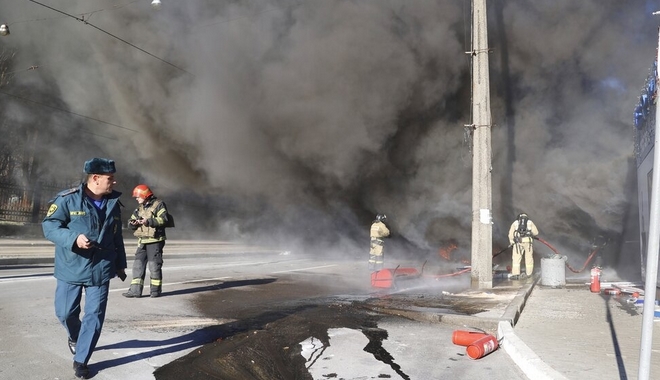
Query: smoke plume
x=300 y=120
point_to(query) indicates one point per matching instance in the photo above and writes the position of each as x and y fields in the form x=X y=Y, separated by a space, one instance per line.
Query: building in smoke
x=644 y=122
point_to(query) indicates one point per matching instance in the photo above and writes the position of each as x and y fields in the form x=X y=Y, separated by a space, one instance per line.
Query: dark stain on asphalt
x=270 y=320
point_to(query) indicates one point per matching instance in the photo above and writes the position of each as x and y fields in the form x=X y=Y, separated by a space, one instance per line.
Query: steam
x=301 y=120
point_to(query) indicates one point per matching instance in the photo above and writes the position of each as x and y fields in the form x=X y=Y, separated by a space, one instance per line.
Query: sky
x=296 y=122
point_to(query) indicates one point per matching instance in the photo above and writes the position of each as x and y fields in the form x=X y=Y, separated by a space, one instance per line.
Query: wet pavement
x=563 y=332
x=338 y=338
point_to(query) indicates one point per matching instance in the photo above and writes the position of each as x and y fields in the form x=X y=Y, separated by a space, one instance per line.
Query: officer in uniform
x=377 y=232
x=521 y=235
x=148 y=223
x=84 y=223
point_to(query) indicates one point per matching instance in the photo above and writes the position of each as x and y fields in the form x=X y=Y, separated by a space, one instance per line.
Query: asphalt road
x=141 y=335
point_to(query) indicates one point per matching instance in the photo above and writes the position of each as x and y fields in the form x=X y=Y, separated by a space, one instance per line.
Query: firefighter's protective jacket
x=377 y=232
x=72 y=213
x=523 y=235
x=154 y=212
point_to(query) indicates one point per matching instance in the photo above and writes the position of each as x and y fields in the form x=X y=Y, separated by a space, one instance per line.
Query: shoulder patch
x=68 y=192
x=51 y=209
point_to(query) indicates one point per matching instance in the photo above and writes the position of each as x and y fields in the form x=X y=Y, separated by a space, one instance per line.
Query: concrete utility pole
x=482 y=229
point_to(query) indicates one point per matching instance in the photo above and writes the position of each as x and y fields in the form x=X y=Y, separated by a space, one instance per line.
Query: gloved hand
x=136 y=222
x=516 y=239
x=121 y=273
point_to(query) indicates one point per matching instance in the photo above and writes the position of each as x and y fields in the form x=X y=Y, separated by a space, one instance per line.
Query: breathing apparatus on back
x=522 y=230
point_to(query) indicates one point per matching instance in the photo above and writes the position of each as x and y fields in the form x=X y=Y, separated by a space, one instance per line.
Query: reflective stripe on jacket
x=155 y=211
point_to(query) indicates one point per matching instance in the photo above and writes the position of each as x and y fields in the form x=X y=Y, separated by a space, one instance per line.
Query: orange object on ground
x=482 y=347
x=595 y=280
x=466 y=338
x=385 y=278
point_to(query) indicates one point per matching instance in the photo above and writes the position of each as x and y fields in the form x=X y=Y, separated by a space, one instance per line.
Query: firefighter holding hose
x=377 y=232
x=521 y=237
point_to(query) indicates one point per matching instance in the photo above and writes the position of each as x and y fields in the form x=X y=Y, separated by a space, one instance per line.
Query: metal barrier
x=24 y=204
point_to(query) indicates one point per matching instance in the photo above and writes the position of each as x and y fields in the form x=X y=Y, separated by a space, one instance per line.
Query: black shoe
x=81 y=371
x=72 y=346
x=131 y=295
x=155 y=295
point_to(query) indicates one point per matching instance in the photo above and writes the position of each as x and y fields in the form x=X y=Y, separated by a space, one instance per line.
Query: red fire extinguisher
x=595 y=280
x=482 y=347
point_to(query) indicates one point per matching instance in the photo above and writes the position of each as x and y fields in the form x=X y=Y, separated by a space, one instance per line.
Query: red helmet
x=142 y=191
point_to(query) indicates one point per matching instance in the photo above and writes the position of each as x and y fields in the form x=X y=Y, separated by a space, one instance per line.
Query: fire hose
x=589 y=258
x=495 y=255
x=465 y=270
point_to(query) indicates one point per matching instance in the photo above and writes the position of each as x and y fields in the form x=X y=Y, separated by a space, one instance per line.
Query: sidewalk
x=581 y=335
x=550 y=333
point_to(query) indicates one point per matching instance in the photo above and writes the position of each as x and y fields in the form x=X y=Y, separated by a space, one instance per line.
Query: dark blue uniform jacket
x=72 y=213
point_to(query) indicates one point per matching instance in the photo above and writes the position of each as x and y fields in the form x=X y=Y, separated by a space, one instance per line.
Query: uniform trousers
x=524 y=248
x=148 y=255
x=86 y=333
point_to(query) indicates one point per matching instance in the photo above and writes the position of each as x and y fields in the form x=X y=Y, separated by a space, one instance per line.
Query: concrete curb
x=487 y=324
x=515 y=308
x=526 y=359
x=6 y=261
x=50 y=259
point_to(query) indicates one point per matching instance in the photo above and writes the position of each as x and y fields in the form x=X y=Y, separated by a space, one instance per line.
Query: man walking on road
x=148 y=223
x=85 y=225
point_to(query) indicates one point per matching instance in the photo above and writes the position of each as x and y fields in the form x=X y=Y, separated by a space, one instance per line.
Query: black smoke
x=298 y=121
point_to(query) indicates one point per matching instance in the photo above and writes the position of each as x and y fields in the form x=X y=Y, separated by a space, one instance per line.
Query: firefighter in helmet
x=521 y=234
x=378 y=231
x=148 y=223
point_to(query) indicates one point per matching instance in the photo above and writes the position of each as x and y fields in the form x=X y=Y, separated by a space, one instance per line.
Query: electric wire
x=111 y=35
x=114 y=7
x=67 y=111
x=33 y=67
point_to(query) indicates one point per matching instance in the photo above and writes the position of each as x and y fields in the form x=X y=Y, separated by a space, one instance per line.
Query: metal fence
x=22 y=204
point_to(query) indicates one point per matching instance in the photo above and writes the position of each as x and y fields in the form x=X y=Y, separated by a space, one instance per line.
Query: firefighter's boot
x=135 y=290
x=155 y=287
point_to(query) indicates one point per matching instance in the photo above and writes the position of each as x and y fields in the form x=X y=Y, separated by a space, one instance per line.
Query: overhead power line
x=111 y=35
x=67 y=111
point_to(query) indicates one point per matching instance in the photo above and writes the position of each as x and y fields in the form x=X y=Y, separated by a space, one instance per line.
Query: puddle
x=350 y=354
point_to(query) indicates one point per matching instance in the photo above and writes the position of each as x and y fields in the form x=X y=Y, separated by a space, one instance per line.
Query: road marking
x=186 y=322
x=308 y=268
x=25 y=278
x=229 y=265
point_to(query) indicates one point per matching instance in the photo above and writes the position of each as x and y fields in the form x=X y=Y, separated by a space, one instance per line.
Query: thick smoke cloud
x=301 y=120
